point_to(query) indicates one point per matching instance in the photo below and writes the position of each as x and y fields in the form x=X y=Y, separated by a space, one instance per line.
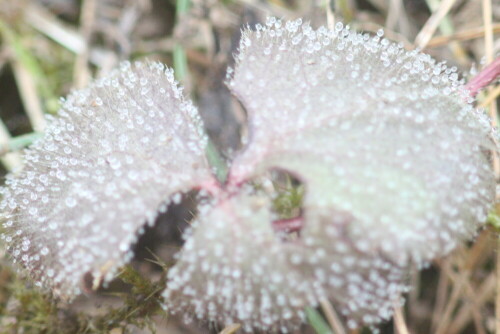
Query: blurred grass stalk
x=342 y=7
x=17 y=143
x=446 y=28
x=179 y=54
x=28 y=75
x=317 y=321
x=465 y=35
x=231 y=329
x=81 y=71
x=433 y=22
x=181 y=71
x=12 y=160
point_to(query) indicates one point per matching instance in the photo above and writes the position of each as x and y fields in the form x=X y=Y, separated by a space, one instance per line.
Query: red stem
x=212 y=186
x=488 y=75
x=288 y=225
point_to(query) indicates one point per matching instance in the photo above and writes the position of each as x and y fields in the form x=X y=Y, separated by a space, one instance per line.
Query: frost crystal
x=116 y=151
x=394 y=161
x=393 y=156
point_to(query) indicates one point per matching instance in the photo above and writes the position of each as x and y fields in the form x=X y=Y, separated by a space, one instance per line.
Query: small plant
x=389 y=158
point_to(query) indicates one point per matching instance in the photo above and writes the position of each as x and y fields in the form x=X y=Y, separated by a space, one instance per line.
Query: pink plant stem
x=488 y=75
x=212 y=186
x=288 y=225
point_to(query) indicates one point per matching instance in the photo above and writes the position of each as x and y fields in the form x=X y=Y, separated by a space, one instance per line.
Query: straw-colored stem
x=332 y=317
x=399 y=321
x=484 y=293
x=43 y=21
x=29 y=95
x=465 y=35
x=230 y=329
x=81 y=72
x=428 y=30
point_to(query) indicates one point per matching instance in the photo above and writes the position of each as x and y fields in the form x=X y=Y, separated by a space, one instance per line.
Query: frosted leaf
x=235 y=268
x=406 y=157
x=371 y=129
x=114 y=153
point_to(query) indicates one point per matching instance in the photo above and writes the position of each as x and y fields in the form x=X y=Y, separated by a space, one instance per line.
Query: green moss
x=26 y=309
x=139 y=305
x=288 y=199
x=494 y=217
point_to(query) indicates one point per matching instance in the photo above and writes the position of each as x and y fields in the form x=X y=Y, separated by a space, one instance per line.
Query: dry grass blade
x=26 y=73
x=29 y=95
x=471 y=297
x=330 y=17
x=43 y=21
x=463 y=316
x=489 y=53
x=488 y=30
x=446 y=27
x=461 y=36
x=479 y=253
x=452 y=302
x=475 y=308
x=231 y=329
x=441 y=294
x=395 y=9
x=81 y=70
x=332 y=317
x=428 y=30
x=413 y=304
x=399 y=321
x=491 y=97
x=268 y=7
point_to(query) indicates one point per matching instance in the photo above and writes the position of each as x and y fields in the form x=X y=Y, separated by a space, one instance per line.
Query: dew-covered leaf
x=384 y=134
x=371 y=129
x=116 y=153
x=235 y=268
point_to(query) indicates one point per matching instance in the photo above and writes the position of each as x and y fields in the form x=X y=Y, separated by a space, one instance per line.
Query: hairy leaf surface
x=382 y=133
x=115 y=153
x=235 y=268
x=395 y=166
